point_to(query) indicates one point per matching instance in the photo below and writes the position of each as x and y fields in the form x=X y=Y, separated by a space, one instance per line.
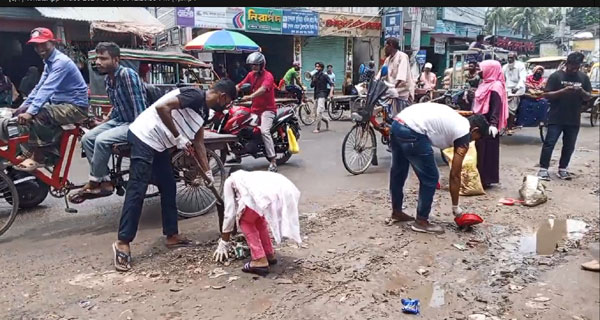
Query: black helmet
x=256 y=58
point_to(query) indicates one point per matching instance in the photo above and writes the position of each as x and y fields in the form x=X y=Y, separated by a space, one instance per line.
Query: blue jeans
x=144 y=162
x=97 y=144
x=410 y=147
x=296 y=91
x=569 y=139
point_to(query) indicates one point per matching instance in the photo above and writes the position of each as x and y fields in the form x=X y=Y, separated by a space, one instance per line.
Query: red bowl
x=468 y=219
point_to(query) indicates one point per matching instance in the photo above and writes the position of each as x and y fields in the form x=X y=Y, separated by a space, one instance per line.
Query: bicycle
x=360 y=144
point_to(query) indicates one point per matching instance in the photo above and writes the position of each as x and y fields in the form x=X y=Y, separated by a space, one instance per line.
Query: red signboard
x=351 y=23
x=515 y=45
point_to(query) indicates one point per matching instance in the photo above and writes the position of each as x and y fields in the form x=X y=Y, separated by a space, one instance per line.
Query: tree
x=494 y=18
x=528 y=20
x=581 y=17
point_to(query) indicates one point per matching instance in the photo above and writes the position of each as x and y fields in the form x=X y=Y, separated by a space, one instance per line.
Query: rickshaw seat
x=123 y=149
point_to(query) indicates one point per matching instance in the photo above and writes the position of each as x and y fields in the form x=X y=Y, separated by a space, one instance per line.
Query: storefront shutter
x=329 y=50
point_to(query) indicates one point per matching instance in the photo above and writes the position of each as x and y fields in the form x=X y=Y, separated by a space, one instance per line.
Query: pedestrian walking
x=321 y=81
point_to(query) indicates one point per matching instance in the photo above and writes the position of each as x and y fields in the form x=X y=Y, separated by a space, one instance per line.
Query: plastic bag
x=470 y=182
x=532 y=192
x=293 y=144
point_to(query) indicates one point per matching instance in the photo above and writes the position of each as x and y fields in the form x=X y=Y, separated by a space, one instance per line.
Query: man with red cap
x=59 y=98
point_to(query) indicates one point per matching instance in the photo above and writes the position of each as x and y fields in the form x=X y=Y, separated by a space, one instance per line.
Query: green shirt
x=290 y=76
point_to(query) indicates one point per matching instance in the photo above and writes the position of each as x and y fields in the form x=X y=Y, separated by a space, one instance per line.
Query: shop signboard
x=345 y=25
x=264 y=20
x=421 y=57
x=428 y=17
x=300 y=22
x=392 y=25
x=211 y=17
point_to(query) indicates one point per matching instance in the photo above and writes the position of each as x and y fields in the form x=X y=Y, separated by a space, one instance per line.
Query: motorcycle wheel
x=424 y=98
x=306 y=113
x=196 y=199
x=358 y=149
x=283 y=158
x=8 y=213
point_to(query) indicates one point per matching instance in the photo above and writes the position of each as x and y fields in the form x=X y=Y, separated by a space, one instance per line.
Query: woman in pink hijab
x=490 y=101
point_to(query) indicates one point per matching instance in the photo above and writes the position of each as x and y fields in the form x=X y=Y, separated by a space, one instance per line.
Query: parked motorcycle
x=239 y=121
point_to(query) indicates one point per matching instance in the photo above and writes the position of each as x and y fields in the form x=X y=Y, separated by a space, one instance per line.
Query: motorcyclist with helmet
x=263 y=101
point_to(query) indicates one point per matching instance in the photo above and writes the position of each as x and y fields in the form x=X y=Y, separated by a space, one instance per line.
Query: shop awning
x=120 y=20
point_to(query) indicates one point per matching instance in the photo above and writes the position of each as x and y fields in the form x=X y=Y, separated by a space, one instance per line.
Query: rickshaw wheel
x=193 y=198
x=8 y=212
x=594 y=116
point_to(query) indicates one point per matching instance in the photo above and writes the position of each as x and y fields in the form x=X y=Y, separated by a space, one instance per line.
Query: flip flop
x=28 y=165
x=122 y=260
x=85 y=194
x=181 y=243
x=261 y=271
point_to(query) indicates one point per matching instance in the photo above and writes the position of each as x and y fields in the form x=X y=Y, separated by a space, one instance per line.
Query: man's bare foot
x=178 y=241
x=398 y=217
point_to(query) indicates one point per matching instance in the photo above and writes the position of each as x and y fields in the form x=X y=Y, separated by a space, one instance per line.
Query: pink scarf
x=493 y=80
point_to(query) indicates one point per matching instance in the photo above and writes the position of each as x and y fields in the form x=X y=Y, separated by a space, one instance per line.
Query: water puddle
x=550 y=233
x=430 y=295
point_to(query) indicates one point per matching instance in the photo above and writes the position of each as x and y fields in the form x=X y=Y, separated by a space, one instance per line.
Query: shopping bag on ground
x=532 y=191
x=470 y=182
x=293 y=144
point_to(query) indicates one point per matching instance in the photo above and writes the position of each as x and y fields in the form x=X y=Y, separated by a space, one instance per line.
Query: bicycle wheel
x=9 y=208
x=193 y=197
x=594 y=115
x=358 y=149
x=306 y=112
x=335 y=110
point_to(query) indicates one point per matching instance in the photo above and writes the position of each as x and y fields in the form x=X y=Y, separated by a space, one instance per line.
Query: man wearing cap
x=515 y=74
x=293 y=83
x=59 y=98
x=428 y=78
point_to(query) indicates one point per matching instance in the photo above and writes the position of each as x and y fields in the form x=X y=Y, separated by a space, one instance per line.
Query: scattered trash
x=153 y=274
x=331 y=250
x=241 y=251
x=472 y=243
x=536 y=305
x=342 y=299
x=86 y=304
x=217 y=287
x=217 y=272
x=284 y=281
x=509 y=201
x=514 y=287
x=459 y=246
x=175 y=289
x=231 y=279
x=541 y=299
x=410 y=306
x=533 y=192
x=422 y=271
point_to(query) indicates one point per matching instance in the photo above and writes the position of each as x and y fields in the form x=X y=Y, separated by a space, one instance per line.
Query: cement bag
x=470 y=182
x=532 y=191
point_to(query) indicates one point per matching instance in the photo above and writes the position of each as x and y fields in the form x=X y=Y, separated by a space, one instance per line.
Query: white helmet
x=256 y=58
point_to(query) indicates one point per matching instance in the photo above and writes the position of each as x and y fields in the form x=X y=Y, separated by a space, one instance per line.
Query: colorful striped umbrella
x=222 y=40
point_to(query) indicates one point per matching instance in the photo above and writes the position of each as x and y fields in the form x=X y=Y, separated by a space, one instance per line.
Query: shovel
x=211 y=187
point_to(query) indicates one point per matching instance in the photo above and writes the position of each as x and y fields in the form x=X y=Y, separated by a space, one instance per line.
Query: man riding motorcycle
x=263 y=101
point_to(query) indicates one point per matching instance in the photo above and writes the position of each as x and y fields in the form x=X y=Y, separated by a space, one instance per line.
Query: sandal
x=121 y=259
x=261 y=271
x=181 y=243
x=28 y=165
x=88 y=194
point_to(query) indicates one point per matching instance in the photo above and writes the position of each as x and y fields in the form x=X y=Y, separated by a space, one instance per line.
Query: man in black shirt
x=320 y=81
x=567 y=90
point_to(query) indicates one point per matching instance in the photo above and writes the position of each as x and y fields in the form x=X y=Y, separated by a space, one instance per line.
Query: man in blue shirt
x=59 y=98
x=127 y=95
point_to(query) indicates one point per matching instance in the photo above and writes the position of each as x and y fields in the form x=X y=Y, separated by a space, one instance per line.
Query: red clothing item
x=266 y=101
x=256 y=230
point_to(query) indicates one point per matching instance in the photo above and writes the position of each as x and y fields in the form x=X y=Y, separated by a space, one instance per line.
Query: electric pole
x=415 y=38
x=562 y=28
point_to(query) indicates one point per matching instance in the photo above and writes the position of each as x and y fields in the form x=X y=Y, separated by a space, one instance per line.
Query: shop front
x=345 y=41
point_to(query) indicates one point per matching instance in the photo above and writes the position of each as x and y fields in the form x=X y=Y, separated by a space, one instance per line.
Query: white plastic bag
x=532 y=192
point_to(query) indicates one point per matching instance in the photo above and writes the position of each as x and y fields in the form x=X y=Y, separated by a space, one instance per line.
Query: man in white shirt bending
x=415 y=131
x=174 y=120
